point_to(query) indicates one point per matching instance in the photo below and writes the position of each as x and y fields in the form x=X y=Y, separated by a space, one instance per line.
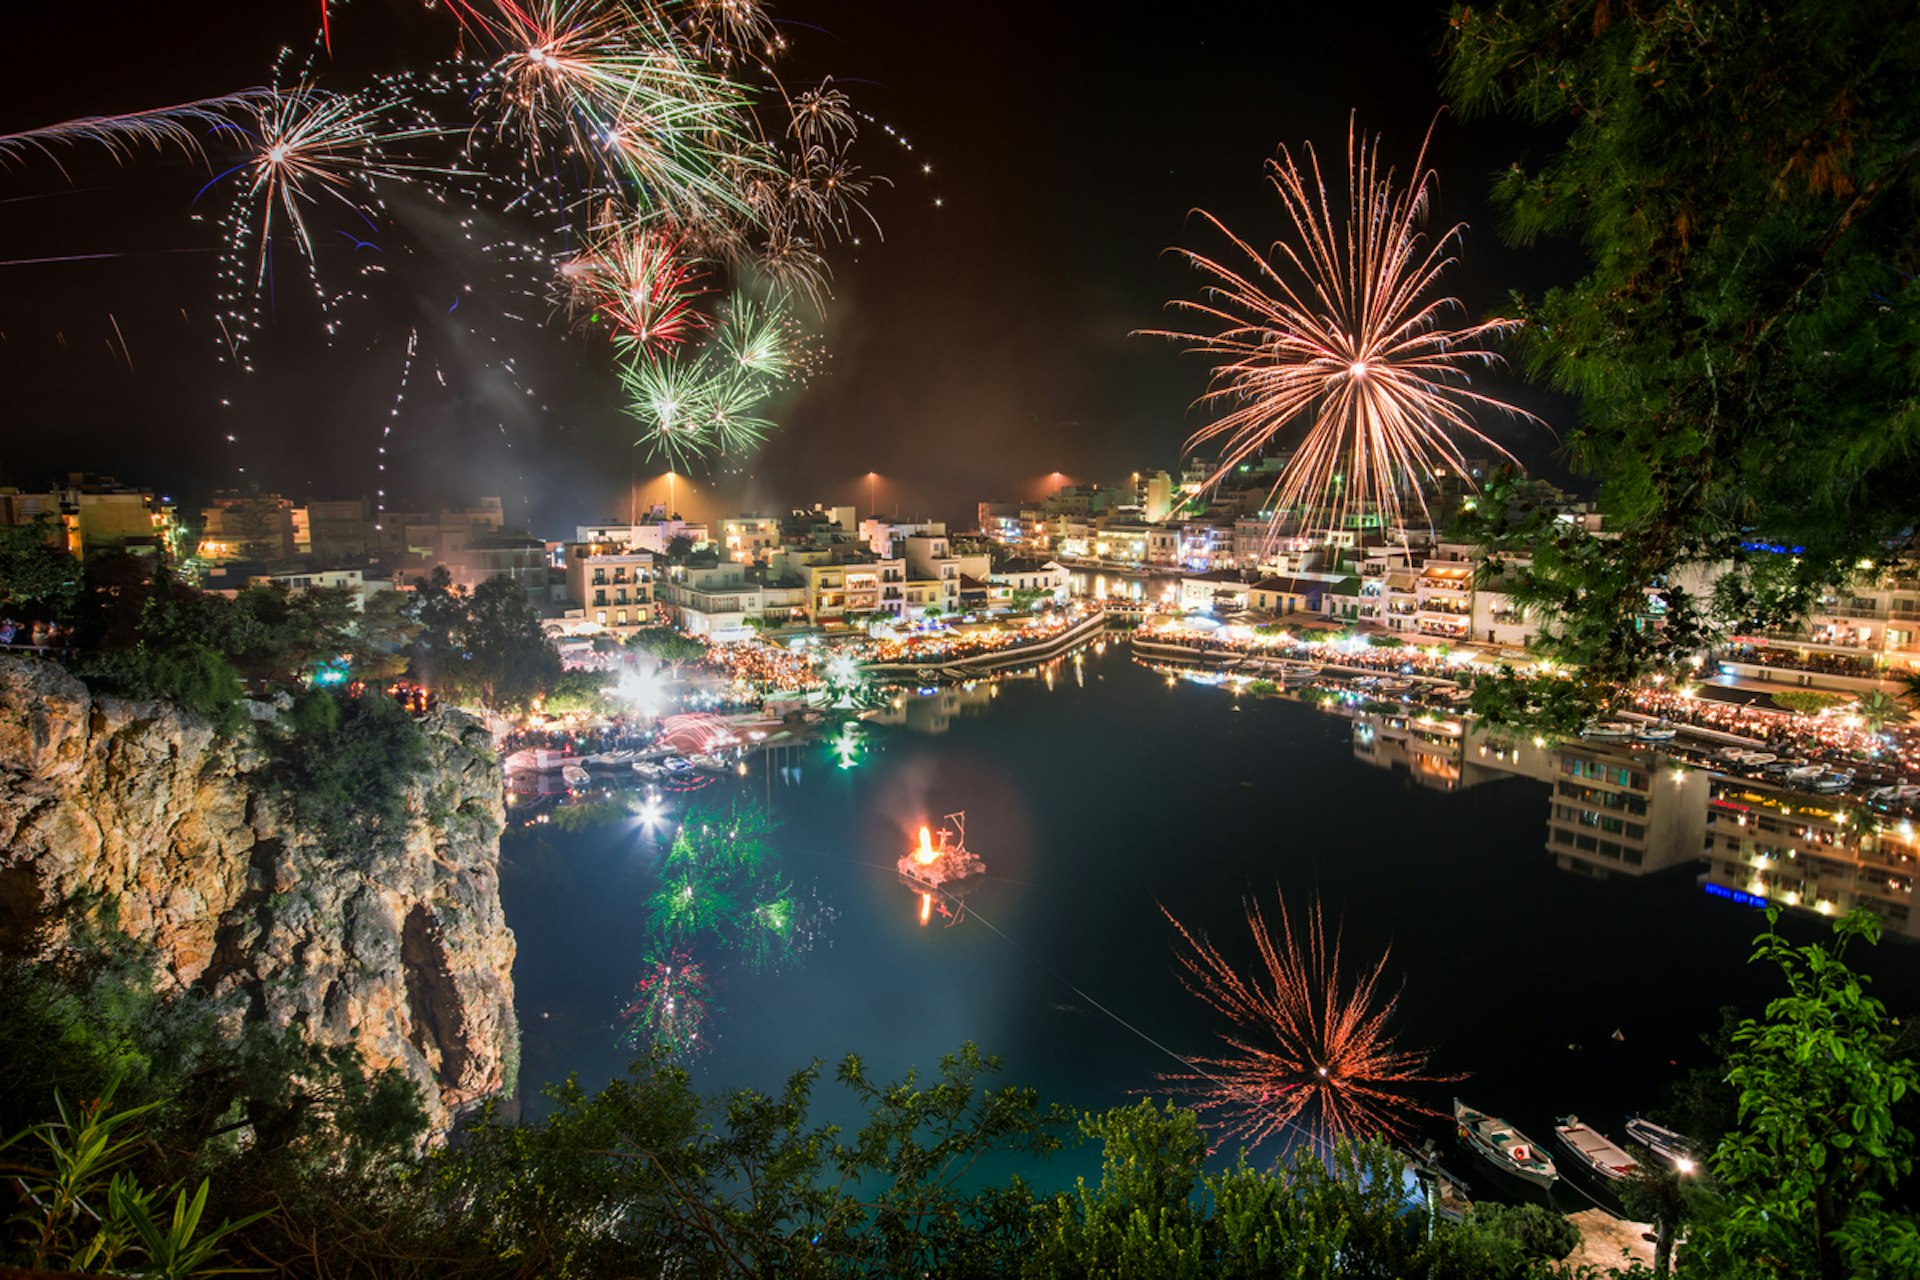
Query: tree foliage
x=37 y=578
x=1745 y=181
x=1808 y=1172
x=344 y=763
x=487 y=645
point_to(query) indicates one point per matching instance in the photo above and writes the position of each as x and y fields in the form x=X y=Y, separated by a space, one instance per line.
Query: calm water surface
x=1096 y=802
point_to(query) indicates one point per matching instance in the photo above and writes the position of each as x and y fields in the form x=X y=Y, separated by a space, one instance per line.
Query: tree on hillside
x=380 y=644
x=1745 y=180
x=509 y=659
x=37 y=578
x=1811 y=1171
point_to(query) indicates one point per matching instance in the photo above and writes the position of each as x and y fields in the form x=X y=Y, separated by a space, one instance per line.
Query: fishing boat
x=1503 y=1146
x=1444 y=1194
x=1675 y=1148
x=1594 y=1149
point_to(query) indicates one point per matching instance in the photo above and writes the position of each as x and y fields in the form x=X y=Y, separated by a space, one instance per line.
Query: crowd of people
x=949 y=644
x=766 y=668
x=36 y=635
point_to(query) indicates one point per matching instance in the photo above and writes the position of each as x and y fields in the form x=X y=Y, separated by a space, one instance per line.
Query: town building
x=1818 y=853
x=1621 y=810
x=746 y=539
x=611 y=583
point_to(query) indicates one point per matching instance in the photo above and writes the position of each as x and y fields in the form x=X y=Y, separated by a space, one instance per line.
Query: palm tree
x=1880 y=709
x=1909 y=687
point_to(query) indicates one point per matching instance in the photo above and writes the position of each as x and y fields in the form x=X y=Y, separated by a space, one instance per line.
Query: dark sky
x=983 y=344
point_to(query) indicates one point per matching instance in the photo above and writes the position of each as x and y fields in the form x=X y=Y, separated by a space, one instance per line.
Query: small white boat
x=1594 y=1149
x=1828 y=783
x=1655 y=733
x=575 y=777
x=1758 y=759
x=1503 y=1146
x=1805 y=772
x=1608 y=731
x=1672 y=1147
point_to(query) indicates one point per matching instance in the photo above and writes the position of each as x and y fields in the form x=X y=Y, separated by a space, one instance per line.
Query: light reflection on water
x=1097 y=795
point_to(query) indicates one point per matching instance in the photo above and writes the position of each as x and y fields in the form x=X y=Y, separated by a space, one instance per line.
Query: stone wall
x=138 y=817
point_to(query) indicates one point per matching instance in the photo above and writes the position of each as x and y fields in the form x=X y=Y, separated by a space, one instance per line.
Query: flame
x=926 y=899
x=925 y=854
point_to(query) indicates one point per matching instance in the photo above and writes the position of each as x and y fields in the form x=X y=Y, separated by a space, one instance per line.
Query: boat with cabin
x=1503 y=1146
x=1594 y=1149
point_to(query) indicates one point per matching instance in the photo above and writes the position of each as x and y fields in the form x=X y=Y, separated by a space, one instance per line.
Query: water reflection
x=1102 y=795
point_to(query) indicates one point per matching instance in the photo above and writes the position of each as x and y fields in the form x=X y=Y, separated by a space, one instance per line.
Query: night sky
x=982 y=345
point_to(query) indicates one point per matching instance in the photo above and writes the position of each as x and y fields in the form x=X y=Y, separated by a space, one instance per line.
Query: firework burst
x=671 y=1006
x=1340 y=327
x=641 y=283
x=705 y=402
x=615 y=87
x=1304 y=1046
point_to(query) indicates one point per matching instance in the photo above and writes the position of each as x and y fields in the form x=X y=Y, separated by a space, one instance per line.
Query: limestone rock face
x=138 y=817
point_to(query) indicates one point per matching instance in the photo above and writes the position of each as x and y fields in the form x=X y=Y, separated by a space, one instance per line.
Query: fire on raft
x=938 y=865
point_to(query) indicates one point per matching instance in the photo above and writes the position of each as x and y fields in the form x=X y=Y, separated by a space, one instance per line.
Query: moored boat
x=1594 y=1149
x=1655 y=733
x=1608 y=731
x=1503 y=1146
x=575 y=777
x=1444 y=1194
x=1675 y=1148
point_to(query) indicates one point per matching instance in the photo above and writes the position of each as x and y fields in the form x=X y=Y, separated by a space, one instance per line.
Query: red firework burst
x=643 y=283
x=1303 y=1047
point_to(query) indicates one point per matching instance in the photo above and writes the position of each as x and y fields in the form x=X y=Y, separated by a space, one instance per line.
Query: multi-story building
x=1156 y=497
x=246 y=526
x=354 y=581
x=1498 y=617
x=1038 y=577
x=847 y=584
x=1818 y=853
x=745 y=539
x=1444 y=598
x=1331 y=595
x=1005 y=523
x=1854 y=638
x=611 y=584
x=1624 y=810
x=713 y=598
x=1123 y=538
x=932 y=568
x=341 y=531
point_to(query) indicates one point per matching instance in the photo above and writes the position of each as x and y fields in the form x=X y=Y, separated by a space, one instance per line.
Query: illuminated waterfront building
x=1812 y=852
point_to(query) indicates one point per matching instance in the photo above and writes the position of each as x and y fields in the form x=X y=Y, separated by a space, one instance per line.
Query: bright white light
x=645 y=690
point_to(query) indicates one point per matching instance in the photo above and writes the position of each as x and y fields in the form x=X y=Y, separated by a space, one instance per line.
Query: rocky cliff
x=138 y=816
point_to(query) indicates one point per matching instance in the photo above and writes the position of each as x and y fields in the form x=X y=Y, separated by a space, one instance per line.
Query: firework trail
x=1303 y=1046
x=1339 y=327
x=177 y=127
